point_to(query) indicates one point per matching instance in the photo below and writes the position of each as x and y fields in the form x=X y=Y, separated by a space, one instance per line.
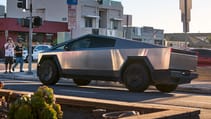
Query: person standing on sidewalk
x=9 y=54
x=18 y=55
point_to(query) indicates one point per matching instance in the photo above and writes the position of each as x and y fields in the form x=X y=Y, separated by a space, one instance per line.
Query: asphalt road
x=65 y=87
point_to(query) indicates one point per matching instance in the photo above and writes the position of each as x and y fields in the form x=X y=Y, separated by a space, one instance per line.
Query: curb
x=20 y=76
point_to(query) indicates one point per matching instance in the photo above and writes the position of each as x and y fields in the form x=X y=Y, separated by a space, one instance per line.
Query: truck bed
x=183 y=60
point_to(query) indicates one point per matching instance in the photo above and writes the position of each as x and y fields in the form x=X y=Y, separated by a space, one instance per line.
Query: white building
x=96 y=16
x=88 y=16
x=145 y=34
x=49 y=10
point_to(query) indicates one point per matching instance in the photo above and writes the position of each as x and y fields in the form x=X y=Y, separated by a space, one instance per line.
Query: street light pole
x=30 y=40
x=185 y=7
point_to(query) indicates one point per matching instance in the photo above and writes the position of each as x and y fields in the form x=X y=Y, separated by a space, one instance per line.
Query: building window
x=114 y=24
x=88 y=22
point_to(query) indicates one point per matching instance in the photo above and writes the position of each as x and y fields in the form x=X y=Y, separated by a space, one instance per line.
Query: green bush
x=40 y=105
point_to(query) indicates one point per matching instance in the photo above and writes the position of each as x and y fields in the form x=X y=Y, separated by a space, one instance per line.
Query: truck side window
x=79 y=44
x=102 y=43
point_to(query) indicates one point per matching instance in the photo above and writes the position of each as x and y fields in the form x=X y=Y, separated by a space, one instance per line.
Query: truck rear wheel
x=48 y=73
x=166 y=88
x=136 y=77
x=81 y=82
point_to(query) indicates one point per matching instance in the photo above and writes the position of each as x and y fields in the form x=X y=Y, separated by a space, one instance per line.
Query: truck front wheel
x=166 y=88
x=136 y=77
x=48 y=73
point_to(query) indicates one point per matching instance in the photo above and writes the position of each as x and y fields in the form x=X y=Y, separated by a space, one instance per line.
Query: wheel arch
x=54 y=59
x=137 y=59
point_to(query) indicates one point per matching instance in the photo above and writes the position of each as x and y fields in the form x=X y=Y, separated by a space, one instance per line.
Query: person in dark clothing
x=19 y=56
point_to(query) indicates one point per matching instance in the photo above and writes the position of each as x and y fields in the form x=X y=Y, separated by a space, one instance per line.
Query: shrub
x=40 y=105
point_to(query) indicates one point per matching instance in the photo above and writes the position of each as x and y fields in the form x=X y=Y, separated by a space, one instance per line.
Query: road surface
x=65 y=87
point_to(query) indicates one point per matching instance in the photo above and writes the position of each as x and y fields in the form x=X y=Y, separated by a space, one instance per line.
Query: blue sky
x=165 y=14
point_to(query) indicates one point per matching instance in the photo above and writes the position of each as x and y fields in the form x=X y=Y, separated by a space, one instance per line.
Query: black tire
x=48 y=73
x=81 y=82
x=136 y=77
x=166 y=88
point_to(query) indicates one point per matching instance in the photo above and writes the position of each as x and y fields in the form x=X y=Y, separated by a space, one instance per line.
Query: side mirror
x=66 y=48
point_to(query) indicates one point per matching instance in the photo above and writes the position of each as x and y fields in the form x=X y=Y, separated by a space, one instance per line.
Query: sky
x=166 y=15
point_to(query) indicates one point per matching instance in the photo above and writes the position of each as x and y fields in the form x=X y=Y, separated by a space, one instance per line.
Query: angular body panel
x=111 y=59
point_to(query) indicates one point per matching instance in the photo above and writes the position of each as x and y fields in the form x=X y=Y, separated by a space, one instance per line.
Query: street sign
x=72 y=2
x=72 y=14
x=21 y=4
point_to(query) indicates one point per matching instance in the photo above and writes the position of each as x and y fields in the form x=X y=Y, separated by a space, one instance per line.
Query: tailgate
x=183 y=60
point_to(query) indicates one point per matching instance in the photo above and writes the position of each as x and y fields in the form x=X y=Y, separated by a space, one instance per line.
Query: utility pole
x=30 y=40
x=185 y=7
x=27 y=5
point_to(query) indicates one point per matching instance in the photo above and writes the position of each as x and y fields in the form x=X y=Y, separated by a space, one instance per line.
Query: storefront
x=45 y=34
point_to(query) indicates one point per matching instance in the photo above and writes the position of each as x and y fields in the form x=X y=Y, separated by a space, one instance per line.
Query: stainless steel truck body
x=134 y=63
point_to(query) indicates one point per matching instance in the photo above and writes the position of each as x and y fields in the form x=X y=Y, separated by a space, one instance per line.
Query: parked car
x=36 y=49
x=134 y=63
x=204 y=56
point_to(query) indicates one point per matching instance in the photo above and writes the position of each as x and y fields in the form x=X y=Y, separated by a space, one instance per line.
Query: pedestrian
x=18 y=55
x=9 y=54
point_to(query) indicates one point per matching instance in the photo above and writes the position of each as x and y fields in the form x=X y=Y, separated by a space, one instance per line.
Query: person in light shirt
x=9 y=54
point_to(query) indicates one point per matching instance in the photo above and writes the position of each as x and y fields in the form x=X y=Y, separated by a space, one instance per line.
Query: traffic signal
x=37 y=21
x=22 y=4
x=100 y=1
x=24 y=22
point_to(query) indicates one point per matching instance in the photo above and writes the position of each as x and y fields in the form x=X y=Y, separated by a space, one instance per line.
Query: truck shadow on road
x=90 y=91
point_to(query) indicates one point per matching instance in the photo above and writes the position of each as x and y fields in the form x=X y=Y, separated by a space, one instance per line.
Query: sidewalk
x=196 y=86
x=19 y=75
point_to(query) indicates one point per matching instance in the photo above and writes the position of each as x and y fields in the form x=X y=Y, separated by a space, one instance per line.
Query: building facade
x=189 y=40
x=49 y=10
x=145 y=34
x=54 y=20
x=102 y=17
